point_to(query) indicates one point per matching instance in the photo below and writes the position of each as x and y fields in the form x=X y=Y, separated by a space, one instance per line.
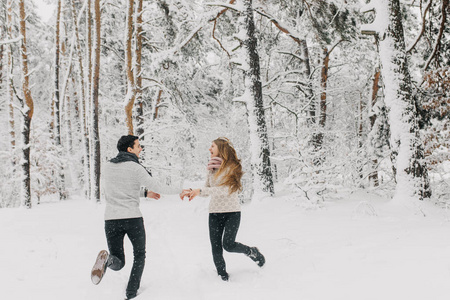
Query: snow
x=381 y=21
x=359 y=246
x=44 y=9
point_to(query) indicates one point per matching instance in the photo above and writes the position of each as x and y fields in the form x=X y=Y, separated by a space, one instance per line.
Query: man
x=122 y=179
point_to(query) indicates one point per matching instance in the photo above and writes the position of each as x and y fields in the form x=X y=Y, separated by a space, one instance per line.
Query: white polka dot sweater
x=221 y=199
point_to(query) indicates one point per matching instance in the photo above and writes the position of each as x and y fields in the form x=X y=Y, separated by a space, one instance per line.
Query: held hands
x=190 y=193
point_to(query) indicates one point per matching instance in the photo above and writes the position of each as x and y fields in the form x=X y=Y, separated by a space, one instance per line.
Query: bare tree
x=89 y=93
x=83 y=104
x=373 y=177
x=318 y=137
x=57 y=69
x=138 y=71
x=131 y=89
x=407 y=151
x=27 y=110
x=95 y=89
x=9 y=66
x=256 y=118
x=57 y=100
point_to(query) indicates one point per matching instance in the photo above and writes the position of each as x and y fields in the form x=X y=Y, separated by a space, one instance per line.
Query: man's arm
x=155 y=185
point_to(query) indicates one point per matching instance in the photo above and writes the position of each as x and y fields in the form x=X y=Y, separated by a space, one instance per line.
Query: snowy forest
x=338 y=109
x=317 y=96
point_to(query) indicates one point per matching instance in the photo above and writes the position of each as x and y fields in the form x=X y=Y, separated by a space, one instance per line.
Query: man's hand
x=185 y=193
x=153 y=195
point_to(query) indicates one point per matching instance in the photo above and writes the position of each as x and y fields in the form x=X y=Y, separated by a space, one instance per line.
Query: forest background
x=319 y=96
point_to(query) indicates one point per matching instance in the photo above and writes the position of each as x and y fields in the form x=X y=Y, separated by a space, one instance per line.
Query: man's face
x=136 y=148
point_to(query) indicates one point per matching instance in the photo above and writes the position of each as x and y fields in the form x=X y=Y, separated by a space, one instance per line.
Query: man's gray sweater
x=122 y=184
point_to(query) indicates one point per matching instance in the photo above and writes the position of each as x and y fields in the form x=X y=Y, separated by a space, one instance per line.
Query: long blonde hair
x=231 y=165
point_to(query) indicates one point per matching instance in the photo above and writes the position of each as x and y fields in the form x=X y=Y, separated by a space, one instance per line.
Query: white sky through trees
x=45 y=9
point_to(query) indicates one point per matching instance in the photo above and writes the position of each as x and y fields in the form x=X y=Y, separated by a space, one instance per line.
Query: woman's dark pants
x=223 y=228
x=115 y=232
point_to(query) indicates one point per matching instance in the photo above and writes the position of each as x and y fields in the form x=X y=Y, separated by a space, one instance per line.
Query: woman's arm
x=218 y=191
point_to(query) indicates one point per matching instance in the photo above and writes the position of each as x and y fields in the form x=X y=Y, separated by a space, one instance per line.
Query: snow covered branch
x=282 y=74
x=441 y=33
x=292 y=54
x=422 y=30
x=284 y=28
x=381 y=21
x=236 y=7
x=218 y=41
x=11 y=41
x=207 y=18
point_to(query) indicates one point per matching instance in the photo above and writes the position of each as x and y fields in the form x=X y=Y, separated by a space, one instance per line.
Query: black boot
x=256 y=256
x=131 y=294
x=224 y=276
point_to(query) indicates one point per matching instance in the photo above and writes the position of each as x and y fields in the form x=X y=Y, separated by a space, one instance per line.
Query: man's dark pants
x=115 y=232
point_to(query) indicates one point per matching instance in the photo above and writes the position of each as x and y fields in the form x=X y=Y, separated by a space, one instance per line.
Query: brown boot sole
x=99 y=267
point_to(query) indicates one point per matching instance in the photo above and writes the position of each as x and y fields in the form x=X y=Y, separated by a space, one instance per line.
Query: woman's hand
x=185 y=193
x=193 y=194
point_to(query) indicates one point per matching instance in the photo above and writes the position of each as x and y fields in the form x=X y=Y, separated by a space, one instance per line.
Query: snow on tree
x=407 y=152
x=196 y=57
x=95 y=105
x=131 y=88
x=27 y=109
x=82 y=114
x=253 y=99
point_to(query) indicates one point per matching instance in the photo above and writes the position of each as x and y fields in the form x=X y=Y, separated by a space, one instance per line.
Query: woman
x=223 y=183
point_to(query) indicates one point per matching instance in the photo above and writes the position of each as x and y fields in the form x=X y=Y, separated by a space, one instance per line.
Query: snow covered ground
x=338 y=251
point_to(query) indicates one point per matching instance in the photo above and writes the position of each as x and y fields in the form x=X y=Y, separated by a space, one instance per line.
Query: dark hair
x=126 y=141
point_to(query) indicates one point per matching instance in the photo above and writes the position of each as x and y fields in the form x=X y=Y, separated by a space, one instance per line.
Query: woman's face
x=214 y=150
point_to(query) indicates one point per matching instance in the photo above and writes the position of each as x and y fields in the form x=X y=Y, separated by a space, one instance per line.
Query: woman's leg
x=229 y=240
x=216 y=227
x=233 y=220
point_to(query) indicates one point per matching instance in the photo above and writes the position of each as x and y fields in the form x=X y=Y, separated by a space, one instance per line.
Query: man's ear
x=129 y=148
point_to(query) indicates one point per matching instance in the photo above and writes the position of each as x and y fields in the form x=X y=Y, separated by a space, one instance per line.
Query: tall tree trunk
x=307 y=76
x=138 y=70
x=2 y=67
x=57 y=102
x=27 y=109
x=9 y=87
x=412 y=176
x=262 y=173
x=373 y=177
x=83 y=106
x=360 y=130
x=67 y=110
x=95 y=89
x=89 y=101
x=131 y=89
x=157 y=102
x=318 y=137
x=57 y=68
